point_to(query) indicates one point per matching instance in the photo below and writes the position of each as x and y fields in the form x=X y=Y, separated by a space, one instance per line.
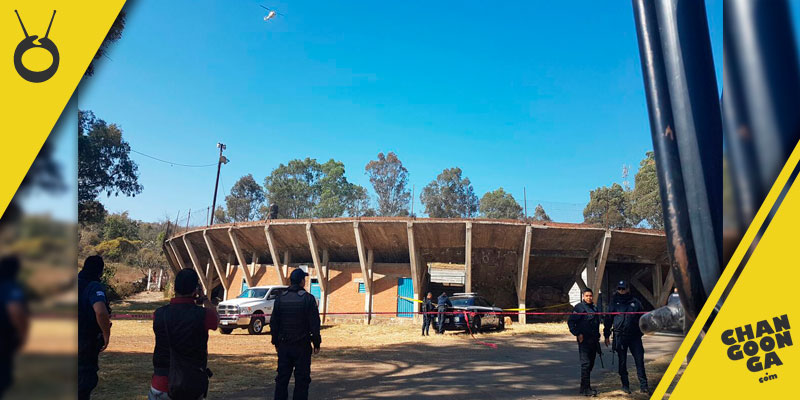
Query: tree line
x=307 y=188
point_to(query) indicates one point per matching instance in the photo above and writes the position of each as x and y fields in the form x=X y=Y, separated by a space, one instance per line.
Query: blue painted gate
x=315 y=290
x=405 y=289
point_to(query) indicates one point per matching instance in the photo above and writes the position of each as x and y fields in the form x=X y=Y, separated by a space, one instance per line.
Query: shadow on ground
x=522 y=367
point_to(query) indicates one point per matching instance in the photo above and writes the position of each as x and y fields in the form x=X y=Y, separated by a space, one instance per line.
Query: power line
x=174 y=163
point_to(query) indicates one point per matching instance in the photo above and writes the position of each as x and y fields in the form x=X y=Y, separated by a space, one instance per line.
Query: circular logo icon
x=29 y=43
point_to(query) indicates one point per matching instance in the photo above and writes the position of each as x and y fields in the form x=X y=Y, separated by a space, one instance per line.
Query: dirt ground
x=358 y=362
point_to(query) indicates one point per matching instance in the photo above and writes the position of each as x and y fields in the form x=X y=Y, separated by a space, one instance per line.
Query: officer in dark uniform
x=294 y=326
x=94 y=324
x=627 y=335
x=442 y=303
x=584 y=324
x=427 y=317
x=14 y=319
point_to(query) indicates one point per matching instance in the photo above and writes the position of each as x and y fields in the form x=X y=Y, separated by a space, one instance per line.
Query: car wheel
x=256 y=326
x=225 y=331
x=502 y=324
x=476 y=324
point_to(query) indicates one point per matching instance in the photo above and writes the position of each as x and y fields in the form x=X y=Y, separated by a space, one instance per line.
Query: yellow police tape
x=505 y=309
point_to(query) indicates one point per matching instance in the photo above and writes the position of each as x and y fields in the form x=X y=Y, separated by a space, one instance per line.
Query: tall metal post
x=694 y=97
x=668 y=164
x=761 y=65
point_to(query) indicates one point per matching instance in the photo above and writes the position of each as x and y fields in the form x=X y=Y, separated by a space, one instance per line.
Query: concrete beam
x=522 y=285
x=171 y=261
x=176 y=267
x=368 y=286
x=415 y=259
x=177 y=255
x=666 y=288
x=226 y=284
x=201 y=273
x=468 y=258
x=643 y=291
x=602 y=257
x=324 y=293
x=362 y=256
x=657 y=282
x=240 y=257
x=274 y=255
x=286 y=260
x=312 y=245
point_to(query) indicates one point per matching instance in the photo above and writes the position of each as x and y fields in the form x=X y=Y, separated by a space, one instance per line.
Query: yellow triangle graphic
x=763 y=291
x=29 y=110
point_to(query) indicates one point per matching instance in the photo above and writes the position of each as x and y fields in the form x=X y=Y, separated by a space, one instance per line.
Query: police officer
x=442 y=303
x=94 y=324
x=627 y=334
x=14 y=319
x=427 y=316
x=584 y=324
x=294 y=326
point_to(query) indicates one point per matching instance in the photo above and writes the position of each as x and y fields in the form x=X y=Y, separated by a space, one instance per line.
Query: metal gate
x=405 y=289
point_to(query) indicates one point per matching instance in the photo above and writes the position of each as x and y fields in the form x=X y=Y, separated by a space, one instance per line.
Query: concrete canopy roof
x=440 y=240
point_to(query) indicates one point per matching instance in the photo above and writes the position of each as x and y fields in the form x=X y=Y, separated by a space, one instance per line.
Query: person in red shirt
x=181 y=328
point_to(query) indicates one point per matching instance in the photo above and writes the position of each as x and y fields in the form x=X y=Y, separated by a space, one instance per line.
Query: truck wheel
x=256 y=326
x=225 y=331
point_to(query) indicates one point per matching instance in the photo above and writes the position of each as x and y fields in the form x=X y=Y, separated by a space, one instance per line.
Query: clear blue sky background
x=543 y=95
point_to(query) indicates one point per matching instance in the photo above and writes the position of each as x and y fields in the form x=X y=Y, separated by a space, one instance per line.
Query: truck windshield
x=253 y=293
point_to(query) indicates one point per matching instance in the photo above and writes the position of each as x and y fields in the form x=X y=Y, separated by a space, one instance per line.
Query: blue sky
x=542 y=95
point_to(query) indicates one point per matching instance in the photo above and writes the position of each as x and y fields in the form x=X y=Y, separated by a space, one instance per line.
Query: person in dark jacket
x=94 y=324
x=182 y=327
x=442 y=303
x=294 y=326
x=14 y=319
x=627 y=335
x=584 y=324
x=427 y=317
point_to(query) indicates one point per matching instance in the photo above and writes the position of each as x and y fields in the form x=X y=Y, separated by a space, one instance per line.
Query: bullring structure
x=369 y=264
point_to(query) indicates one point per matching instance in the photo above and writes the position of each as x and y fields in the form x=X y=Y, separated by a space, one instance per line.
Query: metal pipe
x=691 y=79
x=680 y=244
x=760 y=37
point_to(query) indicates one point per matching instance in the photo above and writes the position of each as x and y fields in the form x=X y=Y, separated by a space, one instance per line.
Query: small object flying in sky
x=270 y=13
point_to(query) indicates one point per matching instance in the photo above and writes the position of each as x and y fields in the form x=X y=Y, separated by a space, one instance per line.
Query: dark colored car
x=480 y=313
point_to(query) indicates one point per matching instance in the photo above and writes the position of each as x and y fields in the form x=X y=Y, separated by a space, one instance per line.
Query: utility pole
x=222 y=160
x=412 y=201
x=525 y=200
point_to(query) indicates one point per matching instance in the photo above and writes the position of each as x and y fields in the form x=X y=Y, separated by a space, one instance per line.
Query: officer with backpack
x=94 y=324
x=294 y=326
x=180 y=357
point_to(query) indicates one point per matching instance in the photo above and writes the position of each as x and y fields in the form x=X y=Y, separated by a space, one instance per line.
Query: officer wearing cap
x=627 y=334
x=294 y=326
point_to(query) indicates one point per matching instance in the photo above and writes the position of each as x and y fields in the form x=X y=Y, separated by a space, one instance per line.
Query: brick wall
x=343 y=293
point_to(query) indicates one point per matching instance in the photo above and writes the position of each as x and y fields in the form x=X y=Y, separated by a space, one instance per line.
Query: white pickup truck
x=255 y=300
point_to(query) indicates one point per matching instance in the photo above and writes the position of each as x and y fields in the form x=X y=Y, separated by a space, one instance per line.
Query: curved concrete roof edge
x=486 y=221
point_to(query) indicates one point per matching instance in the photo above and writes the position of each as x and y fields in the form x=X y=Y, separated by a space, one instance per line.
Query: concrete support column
x=274 y=254
x=522 y=284
x=468 y=258
x=416 y=260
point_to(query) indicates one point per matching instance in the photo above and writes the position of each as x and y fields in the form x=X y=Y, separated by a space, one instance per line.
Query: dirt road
x=523 y=366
